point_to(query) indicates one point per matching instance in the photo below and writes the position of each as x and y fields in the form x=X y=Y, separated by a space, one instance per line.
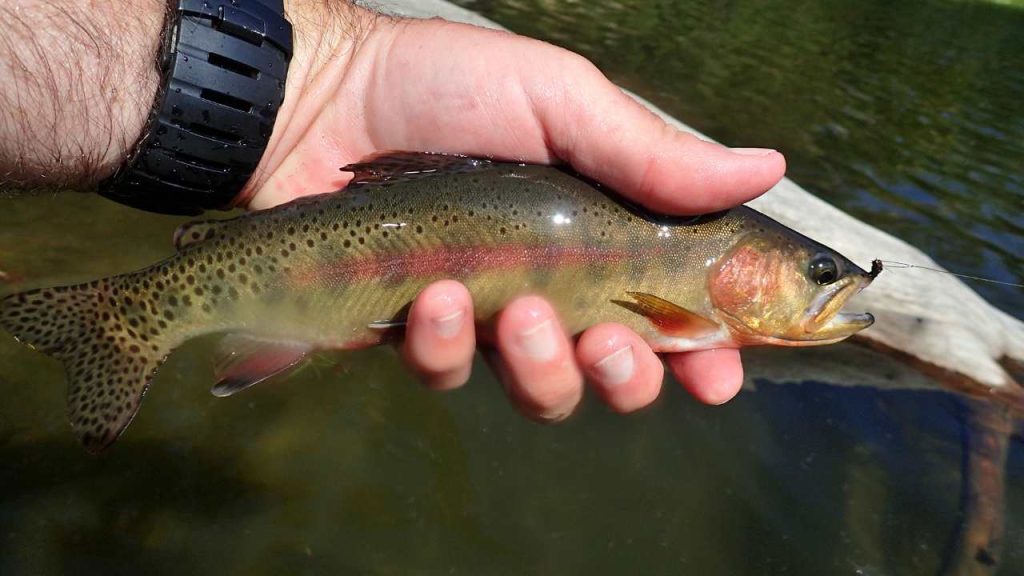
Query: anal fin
x=244 y=361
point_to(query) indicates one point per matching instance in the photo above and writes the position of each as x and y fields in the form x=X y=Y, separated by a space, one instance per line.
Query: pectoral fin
x=669 y=318
x=386 y=324
x=244 y=361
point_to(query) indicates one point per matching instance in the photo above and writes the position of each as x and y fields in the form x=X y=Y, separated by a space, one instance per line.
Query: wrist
x=223 y=67
x=327 y=37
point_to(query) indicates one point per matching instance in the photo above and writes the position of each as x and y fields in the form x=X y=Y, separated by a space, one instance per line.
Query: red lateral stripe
x=457 y=261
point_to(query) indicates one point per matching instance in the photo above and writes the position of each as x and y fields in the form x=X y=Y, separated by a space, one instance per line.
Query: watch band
x=223 y=67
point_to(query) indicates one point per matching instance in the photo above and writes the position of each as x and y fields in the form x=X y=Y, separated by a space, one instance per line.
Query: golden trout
x=339 y=271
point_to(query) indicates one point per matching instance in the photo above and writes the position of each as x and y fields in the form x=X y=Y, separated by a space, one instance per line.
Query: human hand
x=363 y=84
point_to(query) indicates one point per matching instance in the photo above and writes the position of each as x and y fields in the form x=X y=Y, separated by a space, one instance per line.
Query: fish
x=339 y=271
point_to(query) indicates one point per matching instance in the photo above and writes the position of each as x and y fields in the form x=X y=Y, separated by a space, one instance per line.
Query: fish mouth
x=824 y=318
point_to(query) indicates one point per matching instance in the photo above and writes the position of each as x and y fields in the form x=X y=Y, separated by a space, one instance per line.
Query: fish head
x=789 y=291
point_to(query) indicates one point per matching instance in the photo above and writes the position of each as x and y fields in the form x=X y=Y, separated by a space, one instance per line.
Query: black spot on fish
x=983 y=556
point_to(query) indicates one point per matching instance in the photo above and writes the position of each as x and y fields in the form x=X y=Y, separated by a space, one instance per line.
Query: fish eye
x=823 y=269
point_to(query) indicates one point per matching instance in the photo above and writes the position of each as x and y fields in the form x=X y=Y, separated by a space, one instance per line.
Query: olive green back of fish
x=502 y=229
x=322 y=271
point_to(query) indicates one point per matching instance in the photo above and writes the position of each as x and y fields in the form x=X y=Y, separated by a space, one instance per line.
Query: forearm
x=77 y=82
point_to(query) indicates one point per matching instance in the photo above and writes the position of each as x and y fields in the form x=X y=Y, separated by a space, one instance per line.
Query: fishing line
x=894 y=264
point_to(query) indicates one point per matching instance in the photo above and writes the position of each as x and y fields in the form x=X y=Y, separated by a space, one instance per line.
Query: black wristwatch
x=223 y=66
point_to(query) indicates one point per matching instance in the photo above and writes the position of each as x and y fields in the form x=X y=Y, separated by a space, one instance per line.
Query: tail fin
x=109 y=360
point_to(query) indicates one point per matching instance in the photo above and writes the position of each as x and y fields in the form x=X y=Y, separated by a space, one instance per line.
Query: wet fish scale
x=321 y=271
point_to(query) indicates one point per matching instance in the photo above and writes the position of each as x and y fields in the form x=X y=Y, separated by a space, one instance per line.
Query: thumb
x=610 y=137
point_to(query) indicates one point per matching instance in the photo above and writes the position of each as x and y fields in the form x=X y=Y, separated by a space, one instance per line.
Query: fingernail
x=540 y=343
x=752 y=151
x=615 y=368
x=449 y=325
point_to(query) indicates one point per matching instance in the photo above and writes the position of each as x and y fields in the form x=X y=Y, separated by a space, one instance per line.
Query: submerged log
x=933 y=322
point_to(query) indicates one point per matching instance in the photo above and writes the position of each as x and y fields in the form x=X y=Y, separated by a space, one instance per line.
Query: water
x=350 y=468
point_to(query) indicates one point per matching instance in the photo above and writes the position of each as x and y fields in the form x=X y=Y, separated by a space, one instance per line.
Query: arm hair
x=77 y=82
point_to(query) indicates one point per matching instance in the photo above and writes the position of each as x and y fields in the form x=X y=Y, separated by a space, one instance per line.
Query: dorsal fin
x=396 y=166
x=192 y=232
